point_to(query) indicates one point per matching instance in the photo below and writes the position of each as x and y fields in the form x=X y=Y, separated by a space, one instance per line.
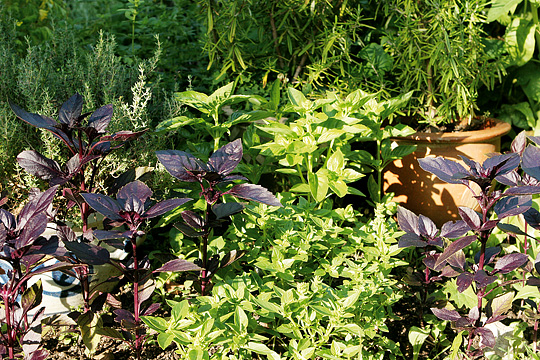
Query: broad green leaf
x=417 y=337
x=155 y=323
x=268 y=306
x=275 y=95
x=339 y=187
x=297 y=98
x=500 y=8
x=180 y=310
x=221 y=94
x=300 y=147
x=318 y=185
x=520 y=41
x=196 y=354
x=240 y=318
x=301 y=188
x=467 y=298
x=164 y=340
x=194 y=99
x=274 y=128
x=329 y=135
x=336 y=162
x=394 y=104
x=262 y=350
x=528 y=292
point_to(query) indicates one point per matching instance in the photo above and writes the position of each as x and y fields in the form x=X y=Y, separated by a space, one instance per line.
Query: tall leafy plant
x=213 y=178
x=489 y=273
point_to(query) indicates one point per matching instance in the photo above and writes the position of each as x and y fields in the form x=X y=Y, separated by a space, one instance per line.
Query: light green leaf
x=297 y=98
x=417 y=337
x=300 y=188
x=520 y=41
x=164 y=340
x=456 y=344
x=262 y=349
x=339 y=187
x=502 y=304
x=336 y=162
x=240 y=318
x=194 y=99
x=275 y=128
x=155 y=323
x=180 y=310
x=528 y=292
x=500 y=8
x=318 y=184
x=268 y=306
x=329 y=135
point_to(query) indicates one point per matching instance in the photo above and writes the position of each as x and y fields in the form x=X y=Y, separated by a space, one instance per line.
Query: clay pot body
x=422 y=192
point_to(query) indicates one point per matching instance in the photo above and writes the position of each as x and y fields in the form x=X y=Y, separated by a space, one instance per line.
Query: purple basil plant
x=487 y=271
x=213 y=177
x=131 y=209
x=85 y=136
x=23 y=249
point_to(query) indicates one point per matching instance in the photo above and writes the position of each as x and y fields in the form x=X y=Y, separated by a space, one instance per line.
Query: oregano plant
x=490 y=272
x=214 y=178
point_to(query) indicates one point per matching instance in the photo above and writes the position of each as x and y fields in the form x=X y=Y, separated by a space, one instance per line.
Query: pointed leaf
x=146 y=290
x=32 y=119
x=510 y=262
x=530 y=162
x=180 y=164
x=136 y=189
x=88 y=253
x=193 y=219
x=38 y=165
x=489 y=255
x=32 y=296
x=488 y=339
x=101 y=118
x=177 y=265
x=407 y=220
x=231 y=257
x=502 y=164
x=103 y=204
x=452 y=230
x=455 y=247
x=463 y=281
x=225 y=159
x=445 y=314
x=35 y=226
x=165 y=206
x=522 y=190
x=40 y=203
x=532 y=217
x=512 y=206
x=471 y=217
x=256 y=193
x=443 y=168
x=502 y=304
x=224 y=210
x=483 y=279
x=519 y=143
x=410 y=239
x=71 y=110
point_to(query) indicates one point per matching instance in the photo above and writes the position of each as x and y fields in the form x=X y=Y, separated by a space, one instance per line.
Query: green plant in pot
x=442 y=53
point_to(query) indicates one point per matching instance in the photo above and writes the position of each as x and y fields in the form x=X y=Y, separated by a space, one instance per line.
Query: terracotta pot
x=422 y=192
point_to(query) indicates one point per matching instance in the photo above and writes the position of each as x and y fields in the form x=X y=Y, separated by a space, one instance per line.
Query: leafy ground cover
x=235 y=153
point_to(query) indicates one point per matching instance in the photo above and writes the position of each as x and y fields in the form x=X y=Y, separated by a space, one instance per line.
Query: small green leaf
x=502 y=304
x=164 y=340
x=336 y=162
x=158 y=324
x=297 y=98
x=417 y=337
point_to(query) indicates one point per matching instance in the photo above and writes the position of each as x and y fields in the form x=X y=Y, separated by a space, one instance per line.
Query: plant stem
x=10 y=331
x=136 y=305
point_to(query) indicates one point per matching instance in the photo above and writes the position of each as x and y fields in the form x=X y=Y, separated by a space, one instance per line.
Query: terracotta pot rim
x=499 y=129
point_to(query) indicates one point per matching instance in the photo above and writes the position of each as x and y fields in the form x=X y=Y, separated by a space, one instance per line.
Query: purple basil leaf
x=38 y=165
x=7 y=219
x=449 y=271
x=107 y=235
x=443 y=168
x=33 y=119
x=177 y=265
x=187 y=230
x=510 y=179
x=124 y=315
x=254 y=192
x=511 y=229
x=488 y=225
x=181 y=164
x=537 y=263
x=74 y=164
x=225 y=159
x=101 y=118
x=40 y=354
x=407 y=220
x=471 y=217
x=535 y=139
x=146 y=290
x=164 y=206
x=234 y=177
x=193 y=219
x=523 y=190
x=474 y=314
x=496 y=318
x=530 y=162
x=455 y=247
x=224 y=210
x=519 y=143
x=54 y=267
x=445 y=314
x=136 y=189
x=410 y=239
x=104 y=205
x=152 y=308
x=533 y=281
x=488 y=339
x=532 y=217
x=452 y=230
x=123 y=136
x=71 y=110
x=457 y=260
x=510 y=262
x=231 y=257
x=489 y=256
x=132 y=204
x=35 y=226
x=40 y=203
x=512 y=206
x=463 y=281
x=426 y=226
x=483 y=279
x=502 y=164
x=88 y=253
x=31 y=297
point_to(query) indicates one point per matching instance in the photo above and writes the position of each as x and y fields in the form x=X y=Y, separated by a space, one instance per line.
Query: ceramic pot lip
x=499 y=129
